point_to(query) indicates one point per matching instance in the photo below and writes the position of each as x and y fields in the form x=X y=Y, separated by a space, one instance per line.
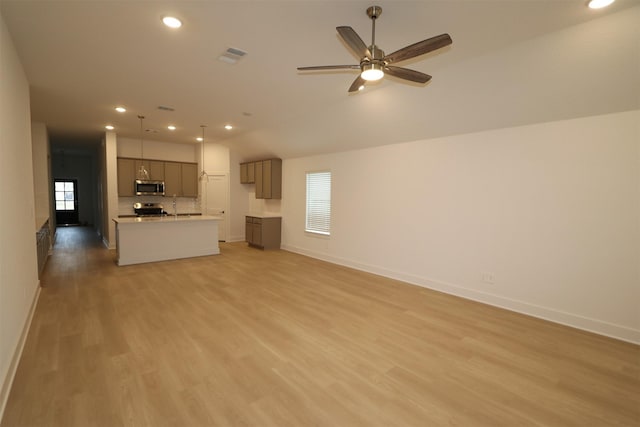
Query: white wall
x=18 y=263
x=157 y=150
x=240 y=194
x=551 y=210
x=216 y=158
x=109 y=189
x=41 y=172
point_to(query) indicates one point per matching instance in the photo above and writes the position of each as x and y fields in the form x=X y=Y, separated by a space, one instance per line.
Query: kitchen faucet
x=175 y=209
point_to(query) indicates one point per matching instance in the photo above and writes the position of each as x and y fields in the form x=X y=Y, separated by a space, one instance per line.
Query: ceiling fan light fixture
x=599 y=4
x=171 y=22
x=372 y=72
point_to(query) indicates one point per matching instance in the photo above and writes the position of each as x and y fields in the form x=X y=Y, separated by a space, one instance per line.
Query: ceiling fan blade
x=330 y=67
x=407 y=74
x=353 y=40
x=355 y=86
x=420 y=48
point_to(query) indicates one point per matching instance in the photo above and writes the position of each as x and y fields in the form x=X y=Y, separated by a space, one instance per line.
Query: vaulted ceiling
x=511 y=63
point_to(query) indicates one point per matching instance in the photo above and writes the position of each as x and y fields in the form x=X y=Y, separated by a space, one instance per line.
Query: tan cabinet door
x=126 y=177
x=251 y=173
x=156 y=170
x=266 y=179
x=259 y=180
x=243 y=173
x=189 y=180
x=248 y=229
x=172 y=179
x=256 y=234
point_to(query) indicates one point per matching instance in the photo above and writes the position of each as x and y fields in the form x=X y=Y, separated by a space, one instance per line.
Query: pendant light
x=142 y=172
x=203 y=174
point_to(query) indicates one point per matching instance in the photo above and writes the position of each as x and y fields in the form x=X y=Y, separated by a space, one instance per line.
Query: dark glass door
x=66 y=199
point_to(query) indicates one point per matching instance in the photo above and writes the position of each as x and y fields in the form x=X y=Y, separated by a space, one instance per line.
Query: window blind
x=318 y=203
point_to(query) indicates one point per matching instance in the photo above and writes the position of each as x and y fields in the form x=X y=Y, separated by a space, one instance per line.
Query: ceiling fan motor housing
x=374 y=11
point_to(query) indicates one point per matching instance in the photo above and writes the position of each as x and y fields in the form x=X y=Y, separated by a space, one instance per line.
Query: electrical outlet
x=488 y=277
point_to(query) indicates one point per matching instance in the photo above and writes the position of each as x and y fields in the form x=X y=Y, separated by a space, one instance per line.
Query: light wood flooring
x=253 y=338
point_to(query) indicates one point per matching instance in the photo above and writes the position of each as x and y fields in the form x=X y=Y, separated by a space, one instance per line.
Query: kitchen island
x=150 y=239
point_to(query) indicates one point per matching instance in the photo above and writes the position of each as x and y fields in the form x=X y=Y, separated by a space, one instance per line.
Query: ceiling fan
x=374 y=63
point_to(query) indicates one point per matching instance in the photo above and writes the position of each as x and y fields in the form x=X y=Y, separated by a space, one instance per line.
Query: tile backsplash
x=183 y=204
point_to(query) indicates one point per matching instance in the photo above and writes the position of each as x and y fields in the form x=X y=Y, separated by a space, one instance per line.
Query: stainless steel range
x=148 y=209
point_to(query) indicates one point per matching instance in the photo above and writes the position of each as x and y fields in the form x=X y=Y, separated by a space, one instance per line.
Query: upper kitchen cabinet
x=180 y=179
x=126 y=176
x=154 y=167
x=268 y=179
x=189 y=180
x=247 y=173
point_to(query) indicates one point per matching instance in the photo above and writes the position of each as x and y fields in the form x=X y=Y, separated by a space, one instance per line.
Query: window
x=318 y=203
x=65 y=195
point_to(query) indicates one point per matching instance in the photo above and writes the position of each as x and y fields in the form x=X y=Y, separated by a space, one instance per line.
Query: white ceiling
x=83 y=58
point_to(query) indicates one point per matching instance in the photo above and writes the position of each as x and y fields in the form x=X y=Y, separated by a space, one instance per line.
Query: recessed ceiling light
x=228 y=127
x=109 y=127
x=171 y=127
x=599 y=4
x=171 y=22
x=121 y=109
x=200 y=139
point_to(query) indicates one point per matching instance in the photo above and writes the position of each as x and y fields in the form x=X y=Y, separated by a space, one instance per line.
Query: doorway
x=66 y=201
x=217 y=201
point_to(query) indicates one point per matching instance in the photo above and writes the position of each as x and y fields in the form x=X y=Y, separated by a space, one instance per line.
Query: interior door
x=217 y=201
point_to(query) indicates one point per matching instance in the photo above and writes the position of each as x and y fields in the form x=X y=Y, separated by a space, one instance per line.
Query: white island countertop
x=164 y=218
x=161 y=238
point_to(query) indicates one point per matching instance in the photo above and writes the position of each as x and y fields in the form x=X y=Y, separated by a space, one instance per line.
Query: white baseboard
x=106 y=244
x=7 y=382
x=600 y=327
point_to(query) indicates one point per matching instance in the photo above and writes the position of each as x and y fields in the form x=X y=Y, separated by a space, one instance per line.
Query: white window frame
x=318 y=199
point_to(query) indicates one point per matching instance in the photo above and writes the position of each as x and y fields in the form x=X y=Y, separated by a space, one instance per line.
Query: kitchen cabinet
x=189 y=180
x=268 y=179
x=154 y=167
x=247 y=173
x=263 y=232
x=126 y=176
x=180 y=179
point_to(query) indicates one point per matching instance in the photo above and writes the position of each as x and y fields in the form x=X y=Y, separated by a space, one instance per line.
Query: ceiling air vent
x=232 y=55
x=165 y=108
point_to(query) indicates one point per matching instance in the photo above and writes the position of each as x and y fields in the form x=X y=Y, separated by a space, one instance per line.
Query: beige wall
x=109 y=188
x=550 y=210
x=41 y=172
x=18 y=263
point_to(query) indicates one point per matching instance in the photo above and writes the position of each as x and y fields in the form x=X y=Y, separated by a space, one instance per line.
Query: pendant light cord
x=202 y=151
x=141 y=138
x=142 y=173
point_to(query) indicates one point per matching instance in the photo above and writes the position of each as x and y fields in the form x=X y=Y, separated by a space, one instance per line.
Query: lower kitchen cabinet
x=263 y=232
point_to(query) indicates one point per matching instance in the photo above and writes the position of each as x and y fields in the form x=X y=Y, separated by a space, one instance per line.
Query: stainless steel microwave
x=145 y=187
